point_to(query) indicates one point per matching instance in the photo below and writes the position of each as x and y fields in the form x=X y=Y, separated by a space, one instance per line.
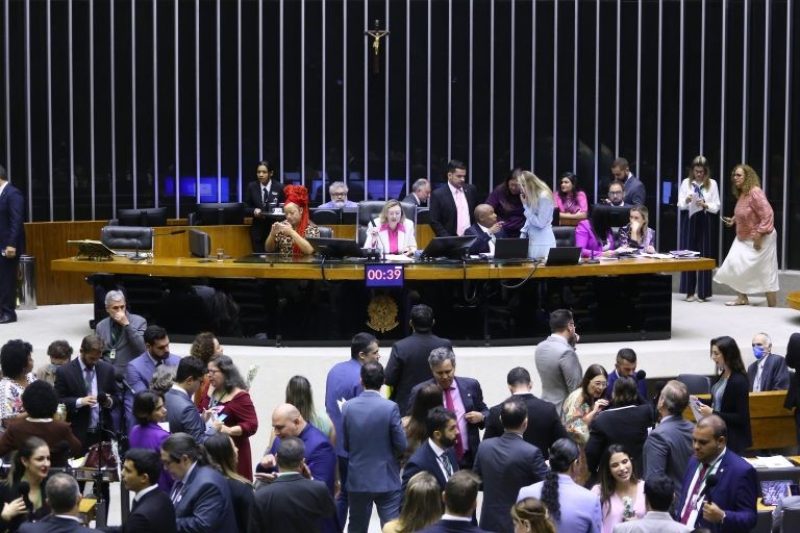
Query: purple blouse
x=150 y=437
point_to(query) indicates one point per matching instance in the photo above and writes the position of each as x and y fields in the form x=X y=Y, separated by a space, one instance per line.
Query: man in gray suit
x=374 y=439
x=122 y=332
x=506 y=464
x=768 y=371
x=420 y=191
x=669 y=446
x=658 y=496
x=557 y=361
x=182 y=414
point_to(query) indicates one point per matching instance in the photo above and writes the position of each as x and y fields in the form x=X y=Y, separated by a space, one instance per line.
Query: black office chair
x=565 y=236
x=371 y=209
x=791 y=520
x=127 y=238
x=325 y=232
x=695 y=383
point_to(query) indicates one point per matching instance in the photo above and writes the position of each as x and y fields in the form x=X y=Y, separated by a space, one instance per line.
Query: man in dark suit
x=292 y=503
x=669 y=446
x=544 y=424
x=420 y=191
x=635 y=193
x=768 y=372
x=200 y=495
x=460 y=501
x=408 y=362
x=487 y=229
x=626 y=423
x=12 y=245
x=87 y=387
x=461 y=395
x=625 y=365
x=140 y=371
x=436 y=455
x=152 y=510
x=63 y=496
x=729 y=503
x=122 y=332
x=182 y=413
x=453 y=204
x=505 y=464
x=375 y=440
x=261 y=196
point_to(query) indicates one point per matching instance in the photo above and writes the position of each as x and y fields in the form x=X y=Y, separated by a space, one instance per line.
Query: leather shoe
x=7 y=319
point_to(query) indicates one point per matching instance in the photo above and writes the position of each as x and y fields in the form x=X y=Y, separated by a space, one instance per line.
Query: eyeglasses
x=599 y=383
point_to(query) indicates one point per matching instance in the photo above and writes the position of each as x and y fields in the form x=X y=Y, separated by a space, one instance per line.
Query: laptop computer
x=511 y=248
x=567 y=255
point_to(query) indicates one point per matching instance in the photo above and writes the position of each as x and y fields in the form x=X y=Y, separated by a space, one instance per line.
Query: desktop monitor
x=220 y=214
x=335 y=248
x=199 y=243
x=451 y=247
x=615 y=217
x=148 y=217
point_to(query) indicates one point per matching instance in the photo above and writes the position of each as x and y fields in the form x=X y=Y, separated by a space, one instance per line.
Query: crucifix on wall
x=377 y=34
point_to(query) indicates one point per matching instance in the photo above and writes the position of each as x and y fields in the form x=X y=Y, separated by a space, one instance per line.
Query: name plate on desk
x=383 y=275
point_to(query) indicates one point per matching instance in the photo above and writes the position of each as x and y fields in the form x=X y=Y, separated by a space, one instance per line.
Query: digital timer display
x=383 y=275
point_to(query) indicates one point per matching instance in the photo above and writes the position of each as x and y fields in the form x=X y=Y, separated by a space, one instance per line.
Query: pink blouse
x=612 y=511
x=577 y=205
x=753 y=215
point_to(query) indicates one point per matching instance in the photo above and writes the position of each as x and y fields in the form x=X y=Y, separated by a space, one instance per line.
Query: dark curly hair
x=39 y=399
x=14 y=358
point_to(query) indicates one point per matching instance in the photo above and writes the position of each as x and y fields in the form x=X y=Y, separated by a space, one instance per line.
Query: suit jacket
x=70 y=385
x=635 y=193
x=444 y=216
x=374 y=439
x=12 y=219
x=183 y=416
x=54 y=524
x=735 y=411
x=138 y=375
x=668 y=449
x=481 y=244
x=641 y=385
x=411 y=198
x=129 y=345
x=342 y=384
x=408 y=365
x=774 y=376
x=622 y=425
x=544 y=423
x=320 y=455
x=559 y=369
x=291 y=504
x=260 y=226
x=424 y=459
x=736 y=492
x=205 y=503
x=453 y=526
x=652 y=522
x=472 y=396
x=152 y=513
x=506 y=464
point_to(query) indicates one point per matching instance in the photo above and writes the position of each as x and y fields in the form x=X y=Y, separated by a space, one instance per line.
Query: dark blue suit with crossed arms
x=735 y=493
x=205 y=503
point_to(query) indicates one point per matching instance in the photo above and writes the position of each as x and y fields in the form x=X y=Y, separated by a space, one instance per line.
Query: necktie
x=451 y=406
x=264 y=195
x=690 y=498
x=176 y=492
x=88 y=375
x=448 y=466
x=462 y=212
x=159 y=362
x=757 y=379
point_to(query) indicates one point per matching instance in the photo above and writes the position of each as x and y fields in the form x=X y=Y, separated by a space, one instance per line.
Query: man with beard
x=436 y=455
x=557 y=361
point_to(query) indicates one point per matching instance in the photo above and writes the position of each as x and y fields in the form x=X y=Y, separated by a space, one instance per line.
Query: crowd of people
x=595 y=453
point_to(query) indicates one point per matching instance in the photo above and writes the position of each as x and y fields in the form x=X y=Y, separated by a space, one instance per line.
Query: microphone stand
x=101 y=509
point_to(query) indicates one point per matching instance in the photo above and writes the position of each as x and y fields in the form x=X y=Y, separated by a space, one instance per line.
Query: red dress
x=240 y=412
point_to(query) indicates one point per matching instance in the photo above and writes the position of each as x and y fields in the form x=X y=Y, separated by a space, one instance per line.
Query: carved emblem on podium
x=382 y=313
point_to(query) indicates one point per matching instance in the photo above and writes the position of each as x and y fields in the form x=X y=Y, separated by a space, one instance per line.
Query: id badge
x=112 y=354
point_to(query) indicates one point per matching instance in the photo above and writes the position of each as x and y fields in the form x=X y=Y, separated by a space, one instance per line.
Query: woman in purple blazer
x=149 y=410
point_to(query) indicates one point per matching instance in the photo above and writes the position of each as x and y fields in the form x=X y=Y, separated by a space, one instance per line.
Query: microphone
x=640 y=375
x=25 y=489
x=378 y=239
x=121 y=380
x=102 y=398
x=711 y=482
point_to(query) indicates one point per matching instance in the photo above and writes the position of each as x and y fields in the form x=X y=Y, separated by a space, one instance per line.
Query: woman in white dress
x=537 y=201
x=751 y=265
x=394 y=233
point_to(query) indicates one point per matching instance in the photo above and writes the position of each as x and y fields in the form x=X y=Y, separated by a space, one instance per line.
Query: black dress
x=242 y=497
x=9 y=493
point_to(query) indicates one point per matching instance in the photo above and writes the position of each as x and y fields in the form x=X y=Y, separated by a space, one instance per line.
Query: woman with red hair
x=289 y=236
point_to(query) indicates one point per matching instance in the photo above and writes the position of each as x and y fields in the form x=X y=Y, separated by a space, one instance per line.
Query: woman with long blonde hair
x=537 y=200
x=422 y=505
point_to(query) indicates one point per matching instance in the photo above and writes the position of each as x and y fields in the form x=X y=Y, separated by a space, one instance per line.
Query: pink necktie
x=690 y=496
x=462 y=212
x=451 y=406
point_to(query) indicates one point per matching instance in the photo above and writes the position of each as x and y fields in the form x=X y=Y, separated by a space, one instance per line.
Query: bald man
x=487 y=229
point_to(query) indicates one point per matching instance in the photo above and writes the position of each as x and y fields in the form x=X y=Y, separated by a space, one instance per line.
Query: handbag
x=100 y=454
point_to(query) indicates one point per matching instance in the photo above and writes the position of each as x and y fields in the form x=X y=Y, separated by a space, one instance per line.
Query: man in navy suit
x=505 y=464
x=625 y=366
x=374 y=438
x=12 y=245
x=451 y=206
x=200 y=495
x=320 y=456
x=64 y=496
x=635 y=193
x=487 y=229
x=87 y=387
x=408 y=362
x=436 y=455
x=544 y=423
x=292 y=503
x=460 y=501
x=729 y=503
x=140 y=371
x=260 y=196
x=182 y=413
x=461 y=395
x=768 y=371
x=152 y=510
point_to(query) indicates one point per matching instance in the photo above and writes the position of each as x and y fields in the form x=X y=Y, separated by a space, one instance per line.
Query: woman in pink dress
x=621 y=492
x=234 y=413
x=570 y=200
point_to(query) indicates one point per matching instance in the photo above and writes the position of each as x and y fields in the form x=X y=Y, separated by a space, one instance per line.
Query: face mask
x=758 y=351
